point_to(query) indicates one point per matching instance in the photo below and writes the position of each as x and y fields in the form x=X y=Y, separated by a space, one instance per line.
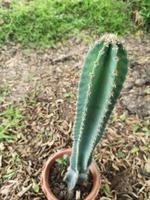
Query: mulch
x=42 y=83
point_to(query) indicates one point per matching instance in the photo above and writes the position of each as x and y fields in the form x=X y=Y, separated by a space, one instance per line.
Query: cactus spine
x=101 y=81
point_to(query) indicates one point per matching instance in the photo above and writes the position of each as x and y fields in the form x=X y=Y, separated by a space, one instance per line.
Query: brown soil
x=59 y=187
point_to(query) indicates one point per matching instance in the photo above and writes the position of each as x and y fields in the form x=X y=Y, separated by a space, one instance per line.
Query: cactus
x=101 y=81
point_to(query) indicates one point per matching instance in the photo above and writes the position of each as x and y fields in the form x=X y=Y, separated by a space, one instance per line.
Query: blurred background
x=47 y=22
x=42 y=48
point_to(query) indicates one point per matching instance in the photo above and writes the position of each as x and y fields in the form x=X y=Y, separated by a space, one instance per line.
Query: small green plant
x=136 y=127
x=101 y=81
x=63 y=160
x=9 y=118
x=35 y=186
x=9 y=174
x=134 y=150
x=69 y=95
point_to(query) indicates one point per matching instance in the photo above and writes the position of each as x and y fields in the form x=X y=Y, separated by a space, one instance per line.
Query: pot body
x=47 y=170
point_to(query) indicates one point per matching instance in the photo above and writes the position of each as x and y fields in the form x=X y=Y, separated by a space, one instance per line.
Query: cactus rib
x=101 y=81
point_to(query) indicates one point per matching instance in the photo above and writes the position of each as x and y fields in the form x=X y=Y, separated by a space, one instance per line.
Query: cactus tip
x=110 y=38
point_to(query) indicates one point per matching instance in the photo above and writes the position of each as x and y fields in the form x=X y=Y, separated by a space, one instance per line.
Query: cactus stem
x=101 y=81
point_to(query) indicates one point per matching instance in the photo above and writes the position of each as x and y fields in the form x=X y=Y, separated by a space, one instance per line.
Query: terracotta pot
x=47 y=170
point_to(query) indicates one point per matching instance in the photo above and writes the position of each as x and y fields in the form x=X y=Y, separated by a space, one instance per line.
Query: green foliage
x=15 y=158
x=63 y=160
x=9 y=174
x=120 y=154
x=141 y=127
x=124 y=116
x=35 y=187
x=46 y=22
x=134 y=150
x=136 y=127
x=140 y=12
x=69 y=95
x=101 y=81
x=105 y=188
x=9 y=118
x=145 y=13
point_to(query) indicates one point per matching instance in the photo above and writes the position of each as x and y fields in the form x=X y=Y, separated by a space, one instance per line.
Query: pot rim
x=47 y=168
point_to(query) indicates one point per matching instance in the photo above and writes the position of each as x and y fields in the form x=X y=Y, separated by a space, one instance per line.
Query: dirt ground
x=43 y=83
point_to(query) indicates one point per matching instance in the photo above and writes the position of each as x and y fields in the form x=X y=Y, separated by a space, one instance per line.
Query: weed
x=9 y=174
x=9 y=118
x=134 y=150
x=136 y=127
x=63 y=160
x=46 y=22
x=35 y=187
x=120 y=154
x=124 y=116
x=15 y=158
x=141 y=126
x=146 y=130
x=105 y=188
x=69 y=95
x=140 y=12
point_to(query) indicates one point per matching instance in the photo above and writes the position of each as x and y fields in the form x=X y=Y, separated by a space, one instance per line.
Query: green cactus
x=101 y=81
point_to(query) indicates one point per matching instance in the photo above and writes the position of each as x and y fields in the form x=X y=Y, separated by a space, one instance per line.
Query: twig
x=24 y=190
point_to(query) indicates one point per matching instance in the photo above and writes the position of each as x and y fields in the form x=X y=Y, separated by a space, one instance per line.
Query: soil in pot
x=59 y=187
